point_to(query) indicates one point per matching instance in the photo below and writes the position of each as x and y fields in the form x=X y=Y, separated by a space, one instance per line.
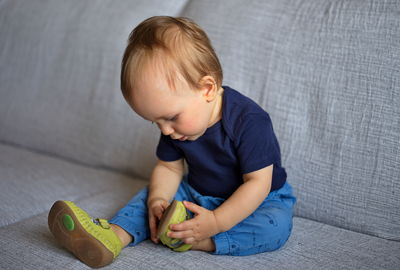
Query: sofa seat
x=31 y=182
x=26 y=240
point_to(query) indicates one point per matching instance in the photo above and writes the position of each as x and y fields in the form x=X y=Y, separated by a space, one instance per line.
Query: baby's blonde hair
x=178 y=44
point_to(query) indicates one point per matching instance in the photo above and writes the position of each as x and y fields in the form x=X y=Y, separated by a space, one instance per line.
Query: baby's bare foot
x=204 y=245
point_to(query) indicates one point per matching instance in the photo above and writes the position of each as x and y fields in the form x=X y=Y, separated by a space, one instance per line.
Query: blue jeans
x=267 y=229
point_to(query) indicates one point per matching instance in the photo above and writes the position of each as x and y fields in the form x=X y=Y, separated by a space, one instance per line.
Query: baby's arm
x=245 y=200
x=164 y=183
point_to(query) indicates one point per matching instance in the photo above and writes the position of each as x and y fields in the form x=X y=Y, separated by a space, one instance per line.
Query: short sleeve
x=257 y=146
x=166 y=150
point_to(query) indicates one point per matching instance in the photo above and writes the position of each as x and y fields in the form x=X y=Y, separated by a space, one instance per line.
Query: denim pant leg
x=133 y=217
x=267 y=229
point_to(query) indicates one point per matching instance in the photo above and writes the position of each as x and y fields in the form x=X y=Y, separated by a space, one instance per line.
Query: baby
x=235 y=188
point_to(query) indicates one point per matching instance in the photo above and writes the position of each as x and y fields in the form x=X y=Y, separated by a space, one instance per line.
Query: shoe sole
x=68 y=231
x=175 y=244
x=166 y=218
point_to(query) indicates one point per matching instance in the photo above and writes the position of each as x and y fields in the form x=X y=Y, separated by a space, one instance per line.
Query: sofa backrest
x=326 y=71
x=59 y=80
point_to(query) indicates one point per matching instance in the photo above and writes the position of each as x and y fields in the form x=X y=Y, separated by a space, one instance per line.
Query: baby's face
x=182 y=113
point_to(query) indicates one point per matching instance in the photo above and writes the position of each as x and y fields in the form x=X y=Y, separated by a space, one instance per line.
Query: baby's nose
x=166 y=130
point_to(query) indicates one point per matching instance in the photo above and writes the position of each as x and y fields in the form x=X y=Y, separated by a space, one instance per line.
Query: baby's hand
x=202 y=226
x=156 y=208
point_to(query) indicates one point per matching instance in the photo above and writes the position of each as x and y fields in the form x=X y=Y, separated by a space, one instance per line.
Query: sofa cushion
x=59 y=80
x=327 y=72
x=31 y=182
x=312 y=245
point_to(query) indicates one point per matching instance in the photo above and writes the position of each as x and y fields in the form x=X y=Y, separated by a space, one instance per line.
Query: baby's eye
x=173 y=118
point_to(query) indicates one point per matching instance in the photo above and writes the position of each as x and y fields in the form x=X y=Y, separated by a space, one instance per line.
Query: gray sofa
x=328 y=72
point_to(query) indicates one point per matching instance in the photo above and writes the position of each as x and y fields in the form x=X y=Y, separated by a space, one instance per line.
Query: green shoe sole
x=174 y=214
x=96 y=245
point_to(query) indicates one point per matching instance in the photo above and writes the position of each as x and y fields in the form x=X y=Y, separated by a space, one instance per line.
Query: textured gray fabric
x=312 y=246
x=60 y=65
x=328 y=74
x=41 y=180
x=31 y=182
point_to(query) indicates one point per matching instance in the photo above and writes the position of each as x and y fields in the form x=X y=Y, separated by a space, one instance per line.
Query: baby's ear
x=208 y=87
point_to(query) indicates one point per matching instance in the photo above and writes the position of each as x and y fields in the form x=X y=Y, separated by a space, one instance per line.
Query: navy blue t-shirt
x=243 y=141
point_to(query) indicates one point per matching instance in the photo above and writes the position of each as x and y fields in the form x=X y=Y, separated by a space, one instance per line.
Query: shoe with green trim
x=174 y=214
x=91 y=240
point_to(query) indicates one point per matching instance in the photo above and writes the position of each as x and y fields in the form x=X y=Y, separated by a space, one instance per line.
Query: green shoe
x=91 y=240
x=174 y=214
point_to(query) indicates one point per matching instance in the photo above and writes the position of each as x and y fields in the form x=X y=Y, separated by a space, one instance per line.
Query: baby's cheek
x=192 y=126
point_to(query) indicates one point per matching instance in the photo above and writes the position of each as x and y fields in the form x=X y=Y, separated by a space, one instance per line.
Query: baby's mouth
x=183 y=138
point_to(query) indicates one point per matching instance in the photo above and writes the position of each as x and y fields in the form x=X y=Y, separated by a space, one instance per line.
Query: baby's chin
x=192 y=137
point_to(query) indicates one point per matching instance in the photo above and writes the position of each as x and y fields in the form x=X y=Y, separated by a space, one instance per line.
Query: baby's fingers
x=153 y=229
x=183 y=226
x=180 y=234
